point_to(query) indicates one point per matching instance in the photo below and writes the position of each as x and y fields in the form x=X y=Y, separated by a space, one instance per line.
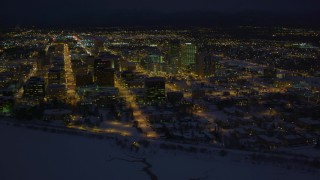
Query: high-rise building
x=57 y=62
x=83 y=80
x=56 y=92
x=131 y=79
x=105 y=97
x=155 y=91
x=34 y=88
x=155 y=58
x=105 y=77
x=173 y=56
x=43 y=60
x=103 y=73
x=113 y=59
x=206 y=64
x=79 y=67
x=188 y=54
x=55 y=76
x=173 y=52
x=154 y=62
x=102 y=63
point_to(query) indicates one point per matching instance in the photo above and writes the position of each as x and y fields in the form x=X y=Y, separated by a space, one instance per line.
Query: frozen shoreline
x=29 y=154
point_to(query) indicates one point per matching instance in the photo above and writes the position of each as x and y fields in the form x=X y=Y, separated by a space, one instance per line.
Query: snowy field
x=36 y=155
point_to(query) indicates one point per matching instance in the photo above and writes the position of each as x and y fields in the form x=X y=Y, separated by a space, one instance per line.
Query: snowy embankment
x=28 y=154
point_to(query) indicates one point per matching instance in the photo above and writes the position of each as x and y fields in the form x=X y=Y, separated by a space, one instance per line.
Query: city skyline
x=159 y=90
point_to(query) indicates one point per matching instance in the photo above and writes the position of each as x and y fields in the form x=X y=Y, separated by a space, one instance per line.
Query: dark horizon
x=97 y=13
x=183 y=19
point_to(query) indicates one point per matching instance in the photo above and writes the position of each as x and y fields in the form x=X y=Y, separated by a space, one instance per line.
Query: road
x=70 y=80
x=82 y=45
x=137 y=113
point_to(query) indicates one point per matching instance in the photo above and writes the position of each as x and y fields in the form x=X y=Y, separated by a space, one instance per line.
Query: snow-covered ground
x=308 y=151
x=29 y=154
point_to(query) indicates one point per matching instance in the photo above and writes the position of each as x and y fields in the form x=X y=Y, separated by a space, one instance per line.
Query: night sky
x=136 y=12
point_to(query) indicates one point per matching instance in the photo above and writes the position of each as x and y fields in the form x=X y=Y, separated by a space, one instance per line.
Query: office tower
x=155 y=92
x=56 y=92
x=173 y=57
x=114 y=60
x=57 y=62
x=131 y=79
x=99 y=65
x=155 y=58
x=79 y=67
x=34 y=88
x=206 y=64
x=102 y=63
x=105 y=77
x=105 y=97
x=55 y=76
x=43 y=60
x=154 y=62
x=188 y=54
x=103 y=73
x=83 y=80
